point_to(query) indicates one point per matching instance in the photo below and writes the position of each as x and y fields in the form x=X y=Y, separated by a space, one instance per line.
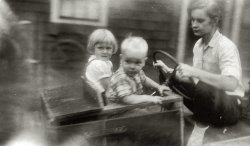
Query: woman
x=216 y=75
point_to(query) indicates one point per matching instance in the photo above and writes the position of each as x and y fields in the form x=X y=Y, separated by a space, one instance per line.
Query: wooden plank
x=113 y=109
x=68 y=101
x=162 y=45
x=56 y=28
x=146 y=6
x=31 y=7
x=31 y=1
x=140 y=15
x=159 y=129
x=138 y=24
x=146 y=34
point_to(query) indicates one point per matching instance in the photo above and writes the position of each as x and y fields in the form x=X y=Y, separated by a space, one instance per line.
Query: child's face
x=132 y=62
x=201 y=23
x=103 y=51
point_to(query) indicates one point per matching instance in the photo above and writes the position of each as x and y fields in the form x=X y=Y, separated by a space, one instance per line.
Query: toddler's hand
x=163 y=88
x=162 y=65
x=156 y=99
x=159 y=63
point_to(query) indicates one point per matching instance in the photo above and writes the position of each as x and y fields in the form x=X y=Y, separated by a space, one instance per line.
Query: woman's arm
x=167 y=69
x=226 y=83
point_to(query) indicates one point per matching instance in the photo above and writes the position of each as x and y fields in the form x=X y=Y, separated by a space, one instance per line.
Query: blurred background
x=43 y=44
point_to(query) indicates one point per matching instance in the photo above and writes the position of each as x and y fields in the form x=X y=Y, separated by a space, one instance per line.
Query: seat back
x=92 y=88
x=71 y=102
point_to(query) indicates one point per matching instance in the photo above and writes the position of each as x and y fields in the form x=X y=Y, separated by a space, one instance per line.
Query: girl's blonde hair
x=101 y=36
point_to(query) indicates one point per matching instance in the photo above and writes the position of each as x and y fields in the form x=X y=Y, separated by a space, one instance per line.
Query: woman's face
x=201 y=23
x=103 y=51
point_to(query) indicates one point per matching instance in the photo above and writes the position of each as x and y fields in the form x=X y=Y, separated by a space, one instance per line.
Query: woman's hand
x=162 y=65
x=185 y=70
x=226 y=83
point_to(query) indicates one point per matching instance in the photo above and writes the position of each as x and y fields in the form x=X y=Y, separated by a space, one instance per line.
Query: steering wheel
x=163 y=77
x=169 y=78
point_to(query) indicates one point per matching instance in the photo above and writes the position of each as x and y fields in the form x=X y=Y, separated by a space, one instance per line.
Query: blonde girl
x=102 y=45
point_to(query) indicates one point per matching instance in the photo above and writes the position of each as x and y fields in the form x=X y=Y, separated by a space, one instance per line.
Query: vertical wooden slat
x=182 y=31
x=228 y=13
x=237 y=20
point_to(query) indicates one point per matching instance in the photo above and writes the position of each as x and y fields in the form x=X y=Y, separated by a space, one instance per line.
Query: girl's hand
x=162 y=65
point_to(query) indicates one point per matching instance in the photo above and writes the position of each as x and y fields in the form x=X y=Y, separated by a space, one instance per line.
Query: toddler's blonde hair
x=134 y=42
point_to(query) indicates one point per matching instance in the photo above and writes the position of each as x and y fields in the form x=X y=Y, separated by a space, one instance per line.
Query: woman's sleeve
x=230 y=62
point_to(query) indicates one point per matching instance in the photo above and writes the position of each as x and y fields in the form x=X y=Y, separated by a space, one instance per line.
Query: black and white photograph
x=124 y=72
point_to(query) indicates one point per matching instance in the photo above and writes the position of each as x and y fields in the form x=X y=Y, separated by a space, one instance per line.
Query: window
x=86 y=12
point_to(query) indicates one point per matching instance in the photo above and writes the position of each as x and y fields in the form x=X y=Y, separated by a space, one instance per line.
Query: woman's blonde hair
x=101 y=36
x=213 y=8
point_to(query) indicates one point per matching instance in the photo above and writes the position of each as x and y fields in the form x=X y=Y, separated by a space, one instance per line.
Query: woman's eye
x=197 y=20
x=200 y=20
